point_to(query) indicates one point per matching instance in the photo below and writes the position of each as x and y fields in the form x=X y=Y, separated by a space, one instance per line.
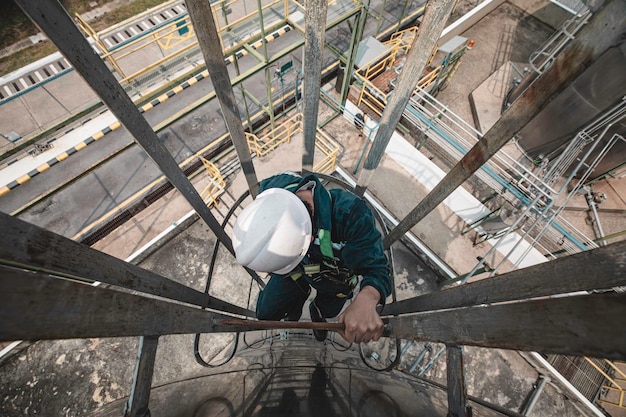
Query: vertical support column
x=208 y=38
x=603 y=31
x=270 y=99
x=433 y=23
x=406 y=4
x=379 y=18
x=314 y=35
x=357 y=35
x=137 y=405
x=63 y=32
x=268 y=75
x=243 y=95
x=457 y=392
x=259 y=5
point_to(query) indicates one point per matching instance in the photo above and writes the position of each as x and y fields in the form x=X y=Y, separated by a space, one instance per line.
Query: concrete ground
x=74 y=377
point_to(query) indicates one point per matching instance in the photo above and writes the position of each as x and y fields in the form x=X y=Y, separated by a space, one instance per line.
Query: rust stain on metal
x=475 y=158
x=267 y=325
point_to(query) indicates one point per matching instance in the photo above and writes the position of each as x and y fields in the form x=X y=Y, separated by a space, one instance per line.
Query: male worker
x=309 y=236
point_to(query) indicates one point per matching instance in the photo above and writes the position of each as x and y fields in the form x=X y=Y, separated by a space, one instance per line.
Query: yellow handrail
x=429 y=78
x=375 y=99
x=284 y=132
x=216 y=186
x=400 y=34
x=279 y=135
x=329 y=148
x=615 y=386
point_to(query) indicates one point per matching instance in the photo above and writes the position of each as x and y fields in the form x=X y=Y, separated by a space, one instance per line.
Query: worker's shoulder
x=282 y=180
x=347 y=201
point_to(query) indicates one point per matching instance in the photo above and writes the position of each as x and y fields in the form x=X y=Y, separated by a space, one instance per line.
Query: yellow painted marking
x=115 y=125
x=4 y=190
x=23 y=179
x=162 y=98
x=192 y=81
x=177 y=89
x=62 y=156
x=98 y=135
x=147 y=107
x=80 y=146
x=174 y=39
x=42 y=168
x=205 y=73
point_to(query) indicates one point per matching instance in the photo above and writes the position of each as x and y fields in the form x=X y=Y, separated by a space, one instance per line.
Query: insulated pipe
x=420 y=357
x=59 y=27
x=528 y=408
x=314 y=39
x=596 y=219
x=604 y=30
x=202 y=17
x=433 y=23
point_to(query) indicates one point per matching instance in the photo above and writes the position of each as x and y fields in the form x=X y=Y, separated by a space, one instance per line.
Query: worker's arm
x=361 y=320
x=363 y=253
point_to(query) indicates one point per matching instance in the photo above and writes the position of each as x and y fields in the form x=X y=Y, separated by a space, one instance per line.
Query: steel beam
x=59 y=27
x=357 y=36
x=583 y=325
x=210 y=43
x=597 y=269
x=137 y=405
x=314 y=35
x=37 y=306
x=30 y=247
x=604 y=30
x=433 y=22
x=457 y=392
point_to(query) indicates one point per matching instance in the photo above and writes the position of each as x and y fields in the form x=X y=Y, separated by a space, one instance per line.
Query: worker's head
x=273 y=233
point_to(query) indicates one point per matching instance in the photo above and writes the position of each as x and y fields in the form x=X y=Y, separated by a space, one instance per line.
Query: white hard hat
x=273 y=233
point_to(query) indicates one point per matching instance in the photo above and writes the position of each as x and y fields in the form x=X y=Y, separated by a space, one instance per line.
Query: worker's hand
x=361 y=320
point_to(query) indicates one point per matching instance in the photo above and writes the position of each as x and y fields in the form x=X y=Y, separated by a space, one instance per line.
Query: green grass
x=15 y=26
x=118 y=15
x=26 y=56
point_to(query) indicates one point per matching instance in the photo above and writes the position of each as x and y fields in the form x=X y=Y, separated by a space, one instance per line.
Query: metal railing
x=375 y=98
x=216 y=185
x=329 y=149
x=523 y=182
x=544 y=56
x=617 y=379
x=279 y=135
x=283 y=134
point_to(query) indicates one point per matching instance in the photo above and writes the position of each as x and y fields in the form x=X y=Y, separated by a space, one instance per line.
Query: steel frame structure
x=46 y=281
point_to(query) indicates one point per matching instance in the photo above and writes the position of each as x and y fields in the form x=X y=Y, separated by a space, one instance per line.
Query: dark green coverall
x=347 y=246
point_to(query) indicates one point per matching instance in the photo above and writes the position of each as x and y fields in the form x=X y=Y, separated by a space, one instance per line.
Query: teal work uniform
x=347 y=246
